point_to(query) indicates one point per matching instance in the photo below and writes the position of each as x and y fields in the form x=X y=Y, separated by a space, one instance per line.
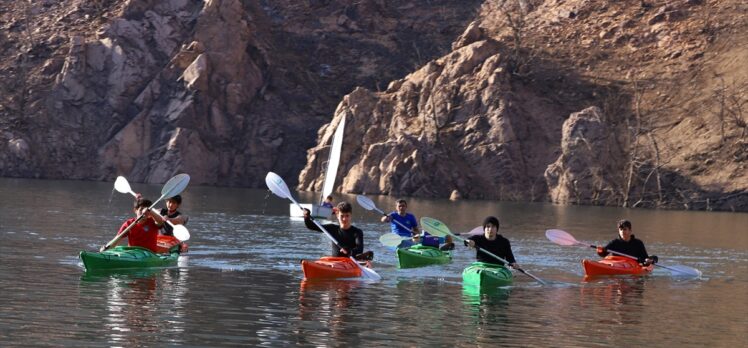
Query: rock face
x=225 y=90
x=514 y=114
x=572 y=101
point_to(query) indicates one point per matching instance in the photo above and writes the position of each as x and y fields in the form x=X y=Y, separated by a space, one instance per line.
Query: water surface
x=241 y=282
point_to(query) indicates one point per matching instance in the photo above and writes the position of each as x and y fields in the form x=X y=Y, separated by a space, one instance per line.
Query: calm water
x=241 y=283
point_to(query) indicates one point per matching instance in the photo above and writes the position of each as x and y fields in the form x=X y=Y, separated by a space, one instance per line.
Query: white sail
x=334 y=160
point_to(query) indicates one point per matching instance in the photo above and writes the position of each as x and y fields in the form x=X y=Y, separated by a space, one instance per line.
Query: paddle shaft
x=127 y=230
x=499 y=258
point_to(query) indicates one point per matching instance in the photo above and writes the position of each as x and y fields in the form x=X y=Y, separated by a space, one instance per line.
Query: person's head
x=624 y=229
x=345 y=210
x=402 y=206
x=491 y=227
x=173 y=203
x=141 y=205
x=329 y=199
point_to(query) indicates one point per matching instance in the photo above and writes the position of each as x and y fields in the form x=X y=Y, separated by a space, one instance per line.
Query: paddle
x=276 y=184
x=438 y=228
x=172 y=187
x=180 y=232
x=562 y=237
x=368 y=204
x=393 y=240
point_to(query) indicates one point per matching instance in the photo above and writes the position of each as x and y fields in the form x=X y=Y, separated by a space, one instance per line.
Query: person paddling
x=492 y=242
x=171 y=214
x=403 y=224
x=627 y=244
x=147 y=223
x=349 y=237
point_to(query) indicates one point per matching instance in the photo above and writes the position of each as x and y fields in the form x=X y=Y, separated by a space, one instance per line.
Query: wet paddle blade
x=122 y=186
x=682 y=271
x=391 y=240
x=368 y=273
x=174 y=186
x=181 y=232
x=435 y=227
x=561 y=237
x=276 y=184
x=474 y=232
x=365 y=202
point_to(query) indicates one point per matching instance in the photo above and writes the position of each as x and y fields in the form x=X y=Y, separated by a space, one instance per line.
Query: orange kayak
x=615 y=265
x=331 y=267
x=164 y=244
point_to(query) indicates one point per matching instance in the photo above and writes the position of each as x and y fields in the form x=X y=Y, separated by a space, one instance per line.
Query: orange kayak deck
x=329 y=267
x=615 y=265
x=164 y=244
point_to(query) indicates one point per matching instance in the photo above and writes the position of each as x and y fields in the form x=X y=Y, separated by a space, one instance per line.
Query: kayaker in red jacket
x=147 y=223
x=492 y=242
x=627 y=244
x=349 y=237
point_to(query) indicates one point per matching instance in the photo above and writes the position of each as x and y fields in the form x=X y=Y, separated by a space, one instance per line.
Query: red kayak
x=164 y=244
x=615 y=265
x=328 y=267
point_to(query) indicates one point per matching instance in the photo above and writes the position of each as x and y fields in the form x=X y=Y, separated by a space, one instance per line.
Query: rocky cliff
x=632 y=103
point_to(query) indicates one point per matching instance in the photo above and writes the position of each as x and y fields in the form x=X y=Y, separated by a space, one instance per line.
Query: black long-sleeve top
x=633 y=247
x=499 y=247
x=352 y=239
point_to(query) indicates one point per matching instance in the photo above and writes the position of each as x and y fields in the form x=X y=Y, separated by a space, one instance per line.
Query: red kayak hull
x=165 y=243
x=615 y=265
x=329 y=267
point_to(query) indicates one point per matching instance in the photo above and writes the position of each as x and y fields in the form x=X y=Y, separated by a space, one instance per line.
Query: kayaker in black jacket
x=627 y=244
x=171 y=214
x=492 y=242
x=349 y=237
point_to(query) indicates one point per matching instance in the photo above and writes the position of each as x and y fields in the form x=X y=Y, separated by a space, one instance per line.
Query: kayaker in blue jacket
x=349 y=237
x=492 y=242
x=627 y=244
x=405 y=224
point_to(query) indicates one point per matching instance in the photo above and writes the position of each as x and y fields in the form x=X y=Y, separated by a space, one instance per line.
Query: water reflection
x=142 y=305
x=323 y=308
x=623 y=298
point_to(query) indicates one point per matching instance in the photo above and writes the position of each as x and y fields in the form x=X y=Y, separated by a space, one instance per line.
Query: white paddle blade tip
x=365 y=202
x=276 y=184
x=181 y=233
x=684 y=271
x=560 y=237
x=122 y=186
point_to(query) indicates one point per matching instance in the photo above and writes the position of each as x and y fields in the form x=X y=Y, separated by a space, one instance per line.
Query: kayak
x=615 y=265
x=419 y=255
x=165 y=244
x=329 y=267
x=126 y=257
x=487 y=275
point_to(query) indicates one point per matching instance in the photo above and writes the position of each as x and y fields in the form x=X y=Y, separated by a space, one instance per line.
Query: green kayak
x=125 y=257
x=486 y=275
x=419 y=256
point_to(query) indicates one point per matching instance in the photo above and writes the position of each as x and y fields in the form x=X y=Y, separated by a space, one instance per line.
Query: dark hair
x=176 y=198
x=624 y=224
x=329 y=197
x=345 y=207
x=142 y=203
x=491 y=220
x=402 y=201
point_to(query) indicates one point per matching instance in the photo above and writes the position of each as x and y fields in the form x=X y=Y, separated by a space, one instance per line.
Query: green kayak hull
x=487 y=275
x=419 y=256
x=125 y=257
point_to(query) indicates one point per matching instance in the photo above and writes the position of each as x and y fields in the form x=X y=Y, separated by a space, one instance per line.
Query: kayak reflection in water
x=145 y=232
x=627 y=244
x=492 y=242
x=349 y=237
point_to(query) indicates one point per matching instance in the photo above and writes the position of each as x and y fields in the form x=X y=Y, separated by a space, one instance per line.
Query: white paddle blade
x=365 y=202
x=368 y=273
x=276 y=184
x=181 y=232
x=475 y=232
x=122 y=186
x=175 y=185
x=391 y=240
x=435 y=227
x=561 y=237
x=683 y=271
